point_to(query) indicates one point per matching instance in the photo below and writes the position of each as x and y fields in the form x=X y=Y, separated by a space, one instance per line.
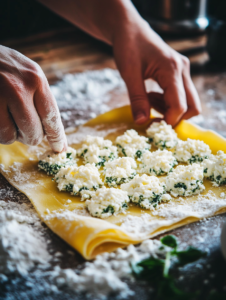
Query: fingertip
x=140 y=118
x=59 y=146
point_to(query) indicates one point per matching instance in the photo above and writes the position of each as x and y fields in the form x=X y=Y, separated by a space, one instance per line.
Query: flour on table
x=22 y=245
x=104 y=275
x=87 y=91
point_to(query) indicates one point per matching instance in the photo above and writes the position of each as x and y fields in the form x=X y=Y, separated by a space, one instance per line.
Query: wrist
x=119 y=17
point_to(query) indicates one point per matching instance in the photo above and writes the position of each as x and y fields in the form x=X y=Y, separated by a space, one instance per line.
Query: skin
x=28 y=110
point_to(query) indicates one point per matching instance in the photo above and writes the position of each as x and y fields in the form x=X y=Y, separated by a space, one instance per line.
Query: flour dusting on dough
x=205 y=206
x=80 y=135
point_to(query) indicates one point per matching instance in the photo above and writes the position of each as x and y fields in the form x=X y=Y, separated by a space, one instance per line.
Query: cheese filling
x=105 y=201
x=119 y=171
x=131 y=144
x=162 y=135
x=215 y=168
x=97 y=150
x=146 y=191
x=185 y=180
x=192 y=151
x=74 y=179
x=52 y=162
x=159 y=162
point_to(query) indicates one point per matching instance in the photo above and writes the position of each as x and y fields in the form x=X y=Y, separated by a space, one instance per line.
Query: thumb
x=138 y=98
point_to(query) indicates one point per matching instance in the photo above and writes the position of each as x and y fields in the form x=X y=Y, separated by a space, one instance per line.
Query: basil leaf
x=189 y=255
x=152 y=263
x=170 y=241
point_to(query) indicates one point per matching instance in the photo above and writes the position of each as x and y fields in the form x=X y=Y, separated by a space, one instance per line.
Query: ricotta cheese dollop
x=119 y=171
x=192 y=151
x=74 y=179
x=215 y=168
x=105 y=201
x=159 y=162
x=132 y=144
x=162 y=135
x=146 y=191
x=185 y=180
x=97 y=150
x=52 y=162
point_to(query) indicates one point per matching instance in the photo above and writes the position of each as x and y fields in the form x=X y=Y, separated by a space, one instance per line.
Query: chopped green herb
x=138 y=154
x=109 y=209
x=180 y=185
x=69 y=188
x=150 y=140
x=68 y=155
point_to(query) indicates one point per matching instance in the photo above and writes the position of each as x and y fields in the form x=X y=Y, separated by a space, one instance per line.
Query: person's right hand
x=28 y=110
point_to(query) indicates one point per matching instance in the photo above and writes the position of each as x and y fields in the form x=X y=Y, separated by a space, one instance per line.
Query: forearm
x=100 y=18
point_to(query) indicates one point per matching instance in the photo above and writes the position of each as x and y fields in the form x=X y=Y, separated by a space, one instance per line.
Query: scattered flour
x=22 y=245
x=103 y=276
x=87 y=91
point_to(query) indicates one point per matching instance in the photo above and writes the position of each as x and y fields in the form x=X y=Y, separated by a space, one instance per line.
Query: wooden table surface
x=70 y=51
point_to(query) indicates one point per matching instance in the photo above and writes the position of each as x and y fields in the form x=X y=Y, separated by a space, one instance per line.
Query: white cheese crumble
x=94 y=154
x=132 y=144
x=96 y=140
x=52 y=162
x=162 y=135
x=185 y=180
x=192 y=151
x=105 y=202
x=215 y=168
x=97 y=150
x=159 y=162
x=74 y=179
x=146 y=191
x=119 y=171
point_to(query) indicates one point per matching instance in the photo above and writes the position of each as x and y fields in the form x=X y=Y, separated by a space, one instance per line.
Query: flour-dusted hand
x=28 y=109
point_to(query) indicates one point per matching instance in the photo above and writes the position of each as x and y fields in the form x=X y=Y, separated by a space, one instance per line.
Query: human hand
x=141 y=54
x=28 y=109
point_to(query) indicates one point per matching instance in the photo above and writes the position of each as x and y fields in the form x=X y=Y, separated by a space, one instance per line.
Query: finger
x=174 y=96
x=29 y=126
x=157 y=102
x=48 y=111
x=138 y=97
x=193 y=101
x=8 y=131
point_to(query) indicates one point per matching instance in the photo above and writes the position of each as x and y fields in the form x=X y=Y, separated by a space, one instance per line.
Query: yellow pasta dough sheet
x=91 y=236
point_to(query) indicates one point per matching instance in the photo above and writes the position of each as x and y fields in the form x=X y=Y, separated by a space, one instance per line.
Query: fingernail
x=140 y=118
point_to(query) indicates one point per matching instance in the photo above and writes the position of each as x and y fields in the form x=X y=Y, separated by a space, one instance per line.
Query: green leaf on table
x=150 y=269
x=152 y=262
x=167 y=290
x=189 y=255
x=170 y=241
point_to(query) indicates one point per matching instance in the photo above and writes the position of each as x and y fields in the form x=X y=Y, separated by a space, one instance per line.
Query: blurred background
x=196 y=28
